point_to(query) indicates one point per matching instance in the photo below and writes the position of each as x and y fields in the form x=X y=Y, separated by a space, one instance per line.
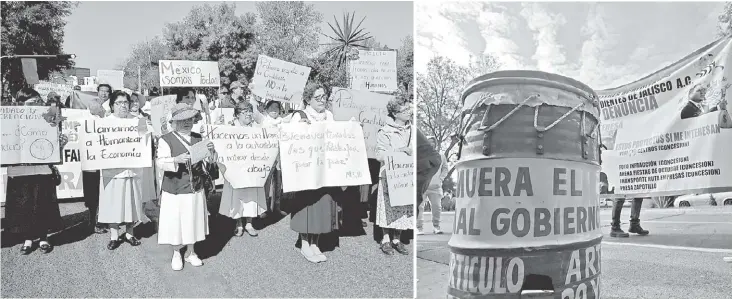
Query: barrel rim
x=532 y=74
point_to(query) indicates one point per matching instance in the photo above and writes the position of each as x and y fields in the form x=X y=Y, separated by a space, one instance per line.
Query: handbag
x=55 y=175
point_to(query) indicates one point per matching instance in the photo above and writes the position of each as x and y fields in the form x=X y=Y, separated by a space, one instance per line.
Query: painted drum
x=527 y=217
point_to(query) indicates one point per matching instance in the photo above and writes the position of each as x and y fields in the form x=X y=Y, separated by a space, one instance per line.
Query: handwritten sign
x=374 y=71
x=368 y=107
x=160 y=109
x=114 y=143
x=27 y=137
x=247 y=154
x=279 y=80
x=326 y=154
x=186 y=73
x=400 y=179
x=111 y=77
x=44 y=88
x=71 y=182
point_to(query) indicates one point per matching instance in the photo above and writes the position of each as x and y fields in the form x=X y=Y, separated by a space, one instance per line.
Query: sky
x=604 y=45
x=127 y=23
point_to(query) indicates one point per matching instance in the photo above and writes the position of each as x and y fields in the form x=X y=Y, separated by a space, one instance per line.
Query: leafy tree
x=32 y=28
x=405 y=65
x=724 y=26
x=346 y=37
x=215 y=33
x=144 y=55
x=288 y=30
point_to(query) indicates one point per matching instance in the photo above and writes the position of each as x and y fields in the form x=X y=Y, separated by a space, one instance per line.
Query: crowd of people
x=115 y=197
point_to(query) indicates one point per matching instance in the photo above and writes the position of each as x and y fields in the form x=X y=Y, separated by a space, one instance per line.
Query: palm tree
x=345 y=38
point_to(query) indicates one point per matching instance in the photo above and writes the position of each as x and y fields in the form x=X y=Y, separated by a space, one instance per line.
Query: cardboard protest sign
x=4 y=183
x=44 y=88
x=368 y=107
x=279 y=80
x=400 y=179
x=111 y=77
x=82 y=100
x=114 y=143
x=186 y=73
x=681 y=152
x=326 y=154
x=247 y=154
x=72 y=184
x=160 y=109
x=374 y=71
x=29 y=135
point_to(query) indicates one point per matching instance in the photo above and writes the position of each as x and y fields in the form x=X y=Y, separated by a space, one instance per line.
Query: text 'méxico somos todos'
x=171 y=74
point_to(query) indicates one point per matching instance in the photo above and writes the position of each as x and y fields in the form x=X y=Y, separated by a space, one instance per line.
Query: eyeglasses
x=321 y=99
x=120 y=103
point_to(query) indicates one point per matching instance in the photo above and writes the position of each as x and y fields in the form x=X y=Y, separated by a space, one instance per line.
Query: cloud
x=549 y=55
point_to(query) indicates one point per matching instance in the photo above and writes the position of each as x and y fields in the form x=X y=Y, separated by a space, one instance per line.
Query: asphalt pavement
x=682 y=257
x=265 y=266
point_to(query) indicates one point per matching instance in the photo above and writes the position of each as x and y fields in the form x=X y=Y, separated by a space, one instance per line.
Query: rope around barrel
x=485 y=115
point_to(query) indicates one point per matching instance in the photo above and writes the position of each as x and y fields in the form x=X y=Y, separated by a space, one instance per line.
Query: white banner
x=44 y=88
x=28 y=137
x=668 y=134
x=115 y=143
x=71 y=183
x=374 y=71
x=326 y=154
x=400 y=179
x=368 y=107
x=246 y=155
x=279 y=80
x=186 y=73
x=111 y=77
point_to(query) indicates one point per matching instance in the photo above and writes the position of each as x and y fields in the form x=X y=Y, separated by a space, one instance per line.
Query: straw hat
x=182 y=111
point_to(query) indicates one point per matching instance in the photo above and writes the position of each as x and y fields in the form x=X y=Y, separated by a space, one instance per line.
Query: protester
x=433 y=194
x=314 y=211
x=54 y=99
x=238 y=93
x=91 y=179
x=183 y=214
x=270 y=114
x=428 y=164
x=635 y=207
x=394 y=136
x=120 y=203
x=243 y=204
x=31 y=207
x=138 y=101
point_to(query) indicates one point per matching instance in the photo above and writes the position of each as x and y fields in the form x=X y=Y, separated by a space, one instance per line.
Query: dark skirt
x=31 y=207
x=313 y=211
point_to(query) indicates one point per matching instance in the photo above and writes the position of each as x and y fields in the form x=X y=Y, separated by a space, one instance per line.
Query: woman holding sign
x=394 y=137
x=31 y=209
x=183 y=214
x=120 y=199
x=243 y=204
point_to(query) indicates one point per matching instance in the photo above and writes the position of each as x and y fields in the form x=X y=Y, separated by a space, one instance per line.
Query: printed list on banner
x=246 y=154
x=374 y=71
x=71 y=182
x=279 y=80
x=368 y=107
x=28 y=137
x=114 y=143
x=681 y=152
x=400 y=179
x=326 y=154
x=185 y=73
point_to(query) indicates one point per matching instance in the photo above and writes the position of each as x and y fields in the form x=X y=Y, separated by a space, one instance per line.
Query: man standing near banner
x=434 y=193
x=91 y=178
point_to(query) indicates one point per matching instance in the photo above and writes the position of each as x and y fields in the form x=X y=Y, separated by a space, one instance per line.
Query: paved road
x=265 y=266
x=681 y=258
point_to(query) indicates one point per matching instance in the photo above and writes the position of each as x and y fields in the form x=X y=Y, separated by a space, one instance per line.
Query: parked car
x=694 y=200
x=723 y=198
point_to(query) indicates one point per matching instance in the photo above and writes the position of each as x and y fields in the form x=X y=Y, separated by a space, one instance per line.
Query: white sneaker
x=318 y=254
x=177 y=262
x=307 y=252
x=438 y=231
x=194 y=260
x=420 y=232
x=250 y=230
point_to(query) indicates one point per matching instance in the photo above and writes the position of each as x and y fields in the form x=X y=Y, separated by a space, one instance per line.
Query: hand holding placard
x=200 y=151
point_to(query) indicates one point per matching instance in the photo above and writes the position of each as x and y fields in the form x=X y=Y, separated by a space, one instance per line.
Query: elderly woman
x=183 y=213
x=31 y=209
x=120 y=199
x=243 y=204
x=394 y=136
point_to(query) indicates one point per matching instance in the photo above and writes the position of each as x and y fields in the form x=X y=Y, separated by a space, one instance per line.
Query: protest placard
x=374 y=71
x=400 y=179
x=114 y=143
x=279 y=80
x=367 y=107
x=44 y=88
x=71 y=182
x=199 y=151
x=186 y=73
x=160 y=109
x=247 y=154
x=325 y=154
x=3 y=181
x=29 y=135
x=111 y=77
